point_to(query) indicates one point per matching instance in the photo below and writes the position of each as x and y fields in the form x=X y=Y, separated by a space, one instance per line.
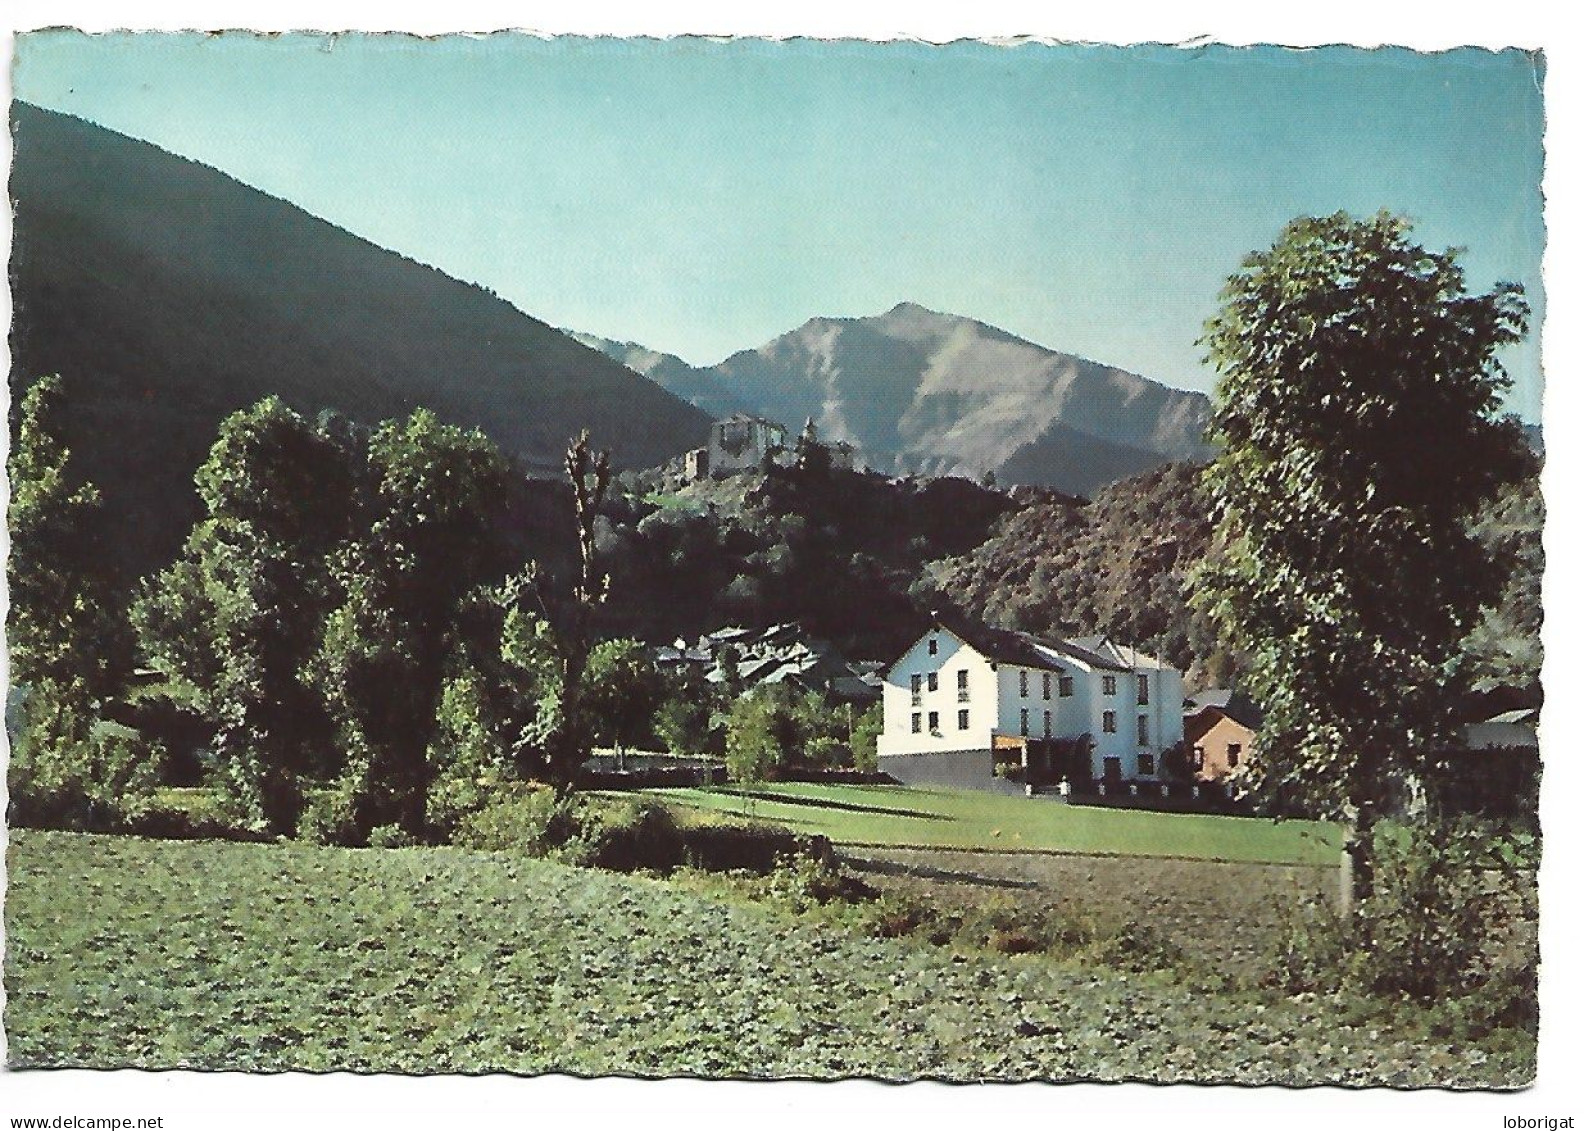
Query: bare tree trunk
x=1357 y=880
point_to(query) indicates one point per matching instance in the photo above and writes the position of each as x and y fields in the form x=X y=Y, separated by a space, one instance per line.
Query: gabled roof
x=1099 y=652
x=1104 y=653
x=1000 y=645
x=1047 y=653
x=1233 y=704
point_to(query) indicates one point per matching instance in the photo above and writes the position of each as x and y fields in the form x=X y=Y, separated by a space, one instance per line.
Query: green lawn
x=945 y=818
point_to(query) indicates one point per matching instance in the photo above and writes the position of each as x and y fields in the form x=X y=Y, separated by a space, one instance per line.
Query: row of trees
x=357 y=640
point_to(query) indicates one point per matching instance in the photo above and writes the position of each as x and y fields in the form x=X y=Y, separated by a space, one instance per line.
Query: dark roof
x=998 y=644
x=1233 y=704
x=1086 y=653
x=1521 y=715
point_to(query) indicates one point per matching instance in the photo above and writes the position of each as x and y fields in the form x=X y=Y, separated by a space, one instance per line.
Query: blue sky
x=702 y=197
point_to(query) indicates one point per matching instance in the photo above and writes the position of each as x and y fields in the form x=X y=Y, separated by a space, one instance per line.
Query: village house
x=782 y=653
x=987 y=709
x=1219 y=726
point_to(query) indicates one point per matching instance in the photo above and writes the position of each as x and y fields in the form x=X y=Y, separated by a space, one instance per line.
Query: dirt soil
x=1228 y=913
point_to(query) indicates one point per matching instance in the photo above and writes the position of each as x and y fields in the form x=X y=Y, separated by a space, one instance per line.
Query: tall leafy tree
x=68 y=644
x=1357 y=414
x=623 y=689
x=61 y=628
x=382 y=661
x=233 y=621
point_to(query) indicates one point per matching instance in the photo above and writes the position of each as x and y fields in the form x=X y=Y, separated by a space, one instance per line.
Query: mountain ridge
x=168 y=294
x=923 y=391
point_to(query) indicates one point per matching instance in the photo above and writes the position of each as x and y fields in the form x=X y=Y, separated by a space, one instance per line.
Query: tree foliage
x=623 y=691
x=68 y=648
x=776 y=725
x=866 y=739
x=1358 y=418
x=60 y=628
x=232 y=622
x=381 y=662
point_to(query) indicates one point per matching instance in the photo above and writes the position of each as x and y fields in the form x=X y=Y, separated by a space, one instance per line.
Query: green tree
x=1357 y=417
x=383 y=657
x=1504 y=650
x=68 y=649
x=622 y=692
x=60 y=628
x=687 y=720
x=232 y=622
x=866 y=733
x=755 y=731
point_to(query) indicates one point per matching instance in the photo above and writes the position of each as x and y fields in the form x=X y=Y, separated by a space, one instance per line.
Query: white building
x=964 y=698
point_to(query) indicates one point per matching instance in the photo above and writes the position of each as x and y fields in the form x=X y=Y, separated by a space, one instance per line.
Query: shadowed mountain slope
x=167 y=295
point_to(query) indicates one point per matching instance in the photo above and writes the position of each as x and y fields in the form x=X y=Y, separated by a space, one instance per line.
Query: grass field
x=941 y=818
x=124 y=952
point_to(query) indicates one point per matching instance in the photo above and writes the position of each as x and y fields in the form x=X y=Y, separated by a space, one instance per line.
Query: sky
x=703 y=196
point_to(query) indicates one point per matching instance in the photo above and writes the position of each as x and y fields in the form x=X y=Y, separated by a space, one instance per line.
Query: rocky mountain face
x=702 y=388
x=918 y=391
x=167 y=295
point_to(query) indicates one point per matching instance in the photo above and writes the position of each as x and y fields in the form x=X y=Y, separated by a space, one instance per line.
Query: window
x=1047 y=724
x=934 y=722
x=1066 y=687
x=962 y=720
x=962 y=686
x=1045 y=680
x=1143 y=734
x=1198 y=757
x=1108 y=722
x=934 y=681
x=1147 y=765
x=918 y=722
x=1023 y=722
x=1108 y=684
x=1143 y=682
x=1234 y=752
x=918 y=688
x=934 y=646
x=1023 y=684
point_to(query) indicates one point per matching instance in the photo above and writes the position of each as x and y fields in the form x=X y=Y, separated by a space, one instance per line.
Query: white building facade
x=963 y=699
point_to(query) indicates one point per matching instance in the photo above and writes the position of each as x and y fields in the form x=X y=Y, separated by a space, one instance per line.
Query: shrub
x=330 y=815
x=525 y=817
x=894 y=917
x=390 y=836
x=69 y=773
x=626 y=836
x=806 y=881
x=1440 y=929
x=738 y=847
x=173 y=822
x=1137 y=948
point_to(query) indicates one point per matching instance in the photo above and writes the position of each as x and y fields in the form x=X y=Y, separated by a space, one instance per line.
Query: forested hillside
x=168 y=295
x=836 y=551
x=1122 y=565
x=1119 y=565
